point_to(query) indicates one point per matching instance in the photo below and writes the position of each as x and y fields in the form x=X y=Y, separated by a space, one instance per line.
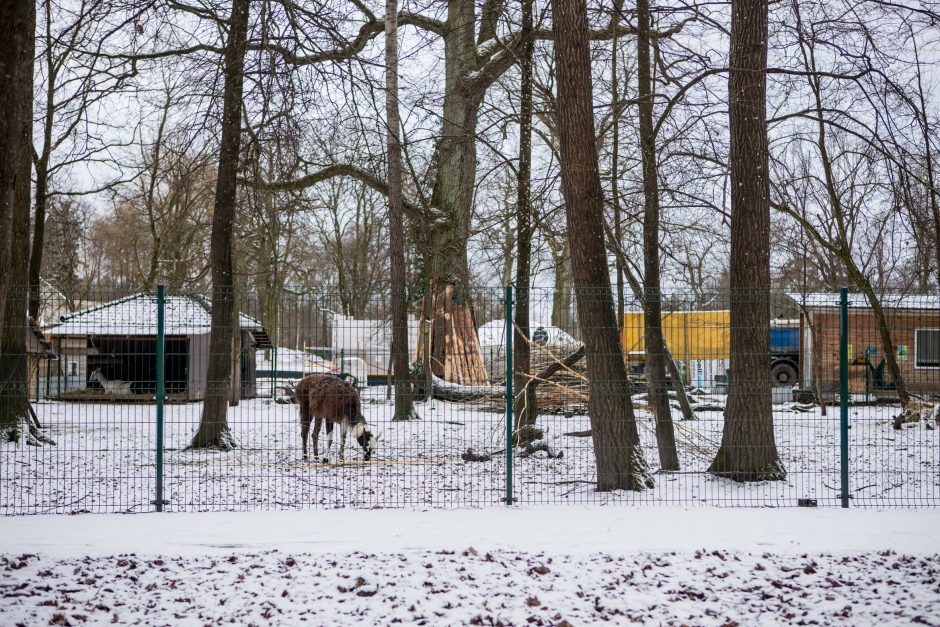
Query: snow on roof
x=816 y=300
x=137 y=315
x=493 y=333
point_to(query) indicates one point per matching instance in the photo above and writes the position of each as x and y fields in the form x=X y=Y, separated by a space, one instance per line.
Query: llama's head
x=365 y=439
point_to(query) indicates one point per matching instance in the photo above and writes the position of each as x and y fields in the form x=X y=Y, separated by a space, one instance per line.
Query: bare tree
x=525 y=406
x=75 y=82
x=15 y=414
x=652 y=297
x=213 y=427
x=620 y=463
x=748 y=451
x=400 y=362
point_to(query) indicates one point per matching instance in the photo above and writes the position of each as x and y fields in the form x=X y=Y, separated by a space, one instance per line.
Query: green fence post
x=161 y=393
x=509 y=394
x=844 y=394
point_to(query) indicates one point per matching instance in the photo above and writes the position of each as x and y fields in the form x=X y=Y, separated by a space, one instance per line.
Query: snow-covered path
x=561 y=529
x=510 y=566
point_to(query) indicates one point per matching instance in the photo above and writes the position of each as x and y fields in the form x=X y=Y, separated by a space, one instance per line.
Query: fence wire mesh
x=78 y=403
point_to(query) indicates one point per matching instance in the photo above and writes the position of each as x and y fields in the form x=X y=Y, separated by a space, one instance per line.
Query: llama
x=110 y=387
x=327 y=397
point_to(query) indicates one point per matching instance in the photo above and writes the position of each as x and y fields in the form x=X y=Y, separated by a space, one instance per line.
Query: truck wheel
x=783 y=374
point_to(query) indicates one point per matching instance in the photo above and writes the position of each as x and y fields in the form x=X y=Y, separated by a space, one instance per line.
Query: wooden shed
x=913 y=322
x=118 y=339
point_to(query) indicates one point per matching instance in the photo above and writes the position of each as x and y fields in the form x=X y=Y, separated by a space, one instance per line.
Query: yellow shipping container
x=690 y=335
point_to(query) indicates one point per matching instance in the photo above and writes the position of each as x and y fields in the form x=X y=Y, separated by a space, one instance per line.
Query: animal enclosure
x=454 y=453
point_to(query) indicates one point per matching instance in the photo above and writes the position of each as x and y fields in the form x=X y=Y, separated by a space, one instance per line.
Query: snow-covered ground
x=511 y=566
x=104 y=461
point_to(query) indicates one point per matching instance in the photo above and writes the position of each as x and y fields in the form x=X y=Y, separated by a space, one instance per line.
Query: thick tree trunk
x=655 y=344
x=400 y=362
x=213 y=428
x=748 y=451
x=524 y=407
x=17 y=32
x=14 y=376
x=15 y=417
x=620 y=463
x=443 y=246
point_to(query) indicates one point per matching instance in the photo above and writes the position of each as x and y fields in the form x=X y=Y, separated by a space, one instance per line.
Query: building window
x=927 y=348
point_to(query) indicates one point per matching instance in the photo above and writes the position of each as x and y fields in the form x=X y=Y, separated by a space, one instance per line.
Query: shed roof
x=830 y=300
x=137 y=315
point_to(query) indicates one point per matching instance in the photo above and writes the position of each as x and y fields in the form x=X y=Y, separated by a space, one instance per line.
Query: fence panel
x=101 y=454
x=454 y=453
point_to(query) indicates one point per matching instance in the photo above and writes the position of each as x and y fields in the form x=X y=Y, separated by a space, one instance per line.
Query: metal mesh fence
x=811 y=413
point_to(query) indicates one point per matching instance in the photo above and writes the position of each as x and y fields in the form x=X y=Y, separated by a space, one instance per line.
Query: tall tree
x=748 y=451
x=400 y=362
x=620 y=462
x=652 y=296
x=17 y=31
x=73 y=82
x=15 y=417
x=213 y=427
x=525 y=403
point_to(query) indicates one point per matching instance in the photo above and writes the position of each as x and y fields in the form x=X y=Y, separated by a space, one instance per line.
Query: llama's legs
x=305 y=429
x=342 y=440
x=329 y=437
x=304 y=432
x=316 y=437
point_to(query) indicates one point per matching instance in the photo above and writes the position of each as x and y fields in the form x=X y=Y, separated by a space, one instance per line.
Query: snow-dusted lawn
x=509 y=566
x=104 y=461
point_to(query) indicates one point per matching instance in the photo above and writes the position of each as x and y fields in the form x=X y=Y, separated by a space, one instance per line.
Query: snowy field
x=494 y=566
x=104 y=461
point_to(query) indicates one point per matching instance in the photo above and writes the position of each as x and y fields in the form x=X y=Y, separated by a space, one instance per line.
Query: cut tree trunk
x=620 y=462
x=655 y=344
x=213 y=429
x=748 y=451
x=455 y=349
x=400 y=366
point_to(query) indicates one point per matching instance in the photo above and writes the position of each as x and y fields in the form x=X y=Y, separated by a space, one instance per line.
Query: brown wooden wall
x=863 y=334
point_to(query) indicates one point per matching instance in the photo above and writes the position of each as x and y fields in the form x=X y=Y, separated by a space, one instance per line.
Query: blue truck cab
x=784 y=352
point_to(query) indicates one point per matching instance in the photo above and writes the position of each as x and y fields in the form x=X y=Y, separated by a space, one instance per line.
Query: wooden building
x=118 y=339
x=913 y=322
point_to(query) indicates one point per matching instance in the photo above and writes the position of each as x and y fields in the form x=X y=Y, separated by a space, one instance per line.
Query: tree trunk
x=620 y=463
x=748 y=451
x=17 y=31
x=931 y=190
x=400 y=363
x=39 y=238
x=443 y=245
x=213 y=428
x=561 y=296
x=615 y=176
x=14 y=377
x=655 y=344
x=15 y=418
x=524 y=407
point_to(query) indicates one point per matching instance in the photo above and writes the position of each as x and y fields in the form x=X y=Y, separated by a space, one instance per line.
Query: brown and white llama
x=326 y=397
